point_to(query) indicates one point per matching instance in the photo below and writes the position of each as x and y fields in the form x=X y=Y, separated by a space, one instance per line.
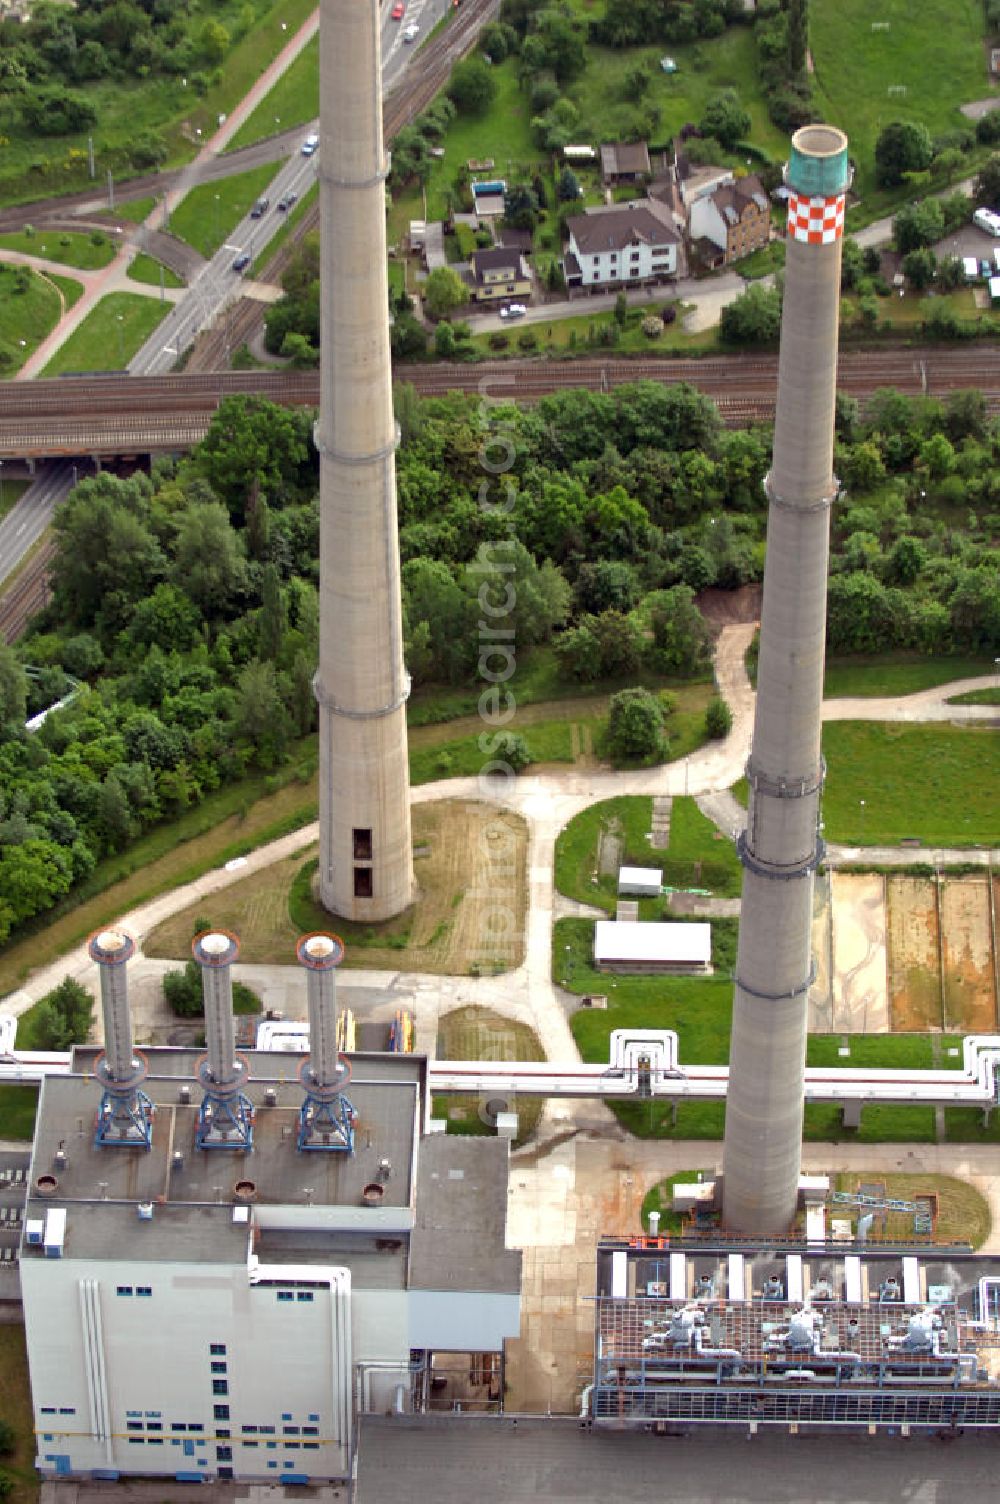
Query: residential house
x=625 y=163
x=735 y=218
x=622 y=246
x=498 y=274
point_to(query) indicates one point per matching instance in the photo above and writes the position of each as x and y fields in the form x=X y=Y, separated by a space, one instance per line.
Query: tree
x=444 y=291
x=725 y=118
x=718 y=718
x=798 y=36
x=917 y=224
x=32 y=876
x=607 y=585
x=439 y=624
x=904 y=146
x=472 y=86
x=252 y=441
x=621 y=309
x=272 y=623
x=63 y=1016
x=520 y=207
x=578 y=654
x=752 y=318
x=260 y=715
x=920 y=267
x=563 y=42
x=13 y=691
x=568 y=186
x=681 y=639
x=55 y=111
x=209 y=559
x=987 y=185
x=635 y=728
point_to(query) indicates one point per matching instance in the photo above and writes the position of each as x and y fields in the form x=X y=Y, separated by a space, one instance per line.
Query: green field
x=293 y=100
x=207 y=214
x=696 y=850
x=897 y=674
x=25 y=317
x=110 y=334
x=988 y=696
x=71 y=290
x=166 y=104
x=18 y=1104
x=66 y=246
x=934 y=50
x=136 y=210
x=144 y=268
x=581 y=333
x=938 y=783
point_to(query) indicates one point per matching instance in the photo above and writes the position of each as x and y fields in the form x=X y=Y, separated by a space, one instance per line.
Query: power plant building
x=224 y=1299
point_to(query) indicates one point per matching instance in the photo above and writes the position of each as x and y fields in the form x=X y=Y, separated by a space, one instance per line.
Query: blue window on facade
x=221 y=1412
x=189 y=1449
x=272 y=1446
x=310 y=1446
x=143 y=1289
x=135 y=1441
x=133 y=1425
x=123 y=1290
x=314 y=1417
x=154 y=1441
x=154 y=1425
x=268 y=1430
x=304 y=1295
x=272 y=1464
x=286 y=1415
x=310 y=1430
x=177 y=1425
x=67 y=1409
x=48 y=1409
x=251 y=1443
x=289 y=1430
x=220 y=1367
x=217 y=1349
x=220 y=1386
x=223 y=1454
x=285 y=1295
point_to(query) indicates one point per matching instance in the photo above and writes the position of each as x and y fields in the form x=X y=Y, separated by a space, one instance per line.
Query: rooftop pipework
x=327 y=1119
x=125 y=1115
x=226 y=1117
x=781 y=847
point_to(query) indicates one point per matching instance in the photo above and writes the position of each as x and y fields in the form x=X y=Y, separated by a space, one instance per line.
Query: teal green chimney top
x=818 y=164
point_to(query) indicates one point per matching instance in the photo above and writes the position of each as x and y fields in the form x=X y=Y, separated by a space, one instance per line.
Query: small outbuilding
x=970 y=267
x=642 y=882
x=677 y=949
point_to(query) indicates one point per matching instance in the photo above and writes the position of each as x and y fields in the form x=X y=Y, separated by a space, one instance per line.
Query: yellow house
x=498 y=274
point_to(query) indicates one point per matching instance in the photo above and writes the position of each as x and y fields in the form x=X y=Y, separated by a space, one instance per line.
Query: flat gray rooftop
x=193 y=1198
x=462 y=1216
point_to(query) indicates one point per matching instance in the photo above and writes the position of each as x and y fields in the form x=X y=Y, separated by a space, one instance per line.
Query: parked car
x=260 y=208
x=242 y=262
x=985 y=270
x=398 y=11
x=412 y=32
x=513 y=311
x=286 y=201
x=309 y=145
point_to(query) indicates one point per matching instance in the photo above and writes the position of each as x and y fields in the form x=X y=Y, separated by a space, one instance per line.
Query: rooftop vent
x=373 y=1193
x=46 y=1185
x=145 y=1211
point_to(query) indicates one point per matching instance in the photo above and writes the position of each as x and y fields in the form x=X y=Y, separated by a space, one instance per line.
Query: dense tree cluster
x=187 y=609
x=631 y=23
x=781 y=32
x=184 y=620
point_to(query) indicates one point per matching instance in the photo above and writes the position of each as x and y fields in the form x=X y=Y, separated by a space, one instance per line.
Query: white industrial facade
x=226 y=1313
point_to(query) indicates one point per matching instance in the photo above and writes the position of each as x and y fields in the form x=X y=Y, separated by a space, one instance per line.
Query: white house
x=621 y=246
x=628 y=945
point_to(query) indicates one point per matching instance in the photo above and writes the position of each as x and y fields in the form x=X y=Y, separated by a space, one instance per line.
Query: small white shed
x=641 y=882
x=623 y=945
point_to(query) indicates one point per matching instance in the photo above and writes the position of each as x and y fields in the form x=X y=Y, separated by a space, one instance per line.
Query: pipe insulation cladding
x=781 y=845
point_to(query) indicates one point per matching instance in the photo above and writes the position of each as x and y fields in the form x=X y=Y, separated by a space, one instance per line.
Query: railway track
x=76 y=415
x=420 y=83
x=29 y=593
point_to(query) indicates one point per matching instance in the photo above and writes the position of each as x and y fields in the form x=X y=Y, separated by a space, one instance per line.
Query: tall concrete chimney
x=327 y=1118
x=125 y=1116
x=781 y=846
x=366 y=860
x=226 y=1117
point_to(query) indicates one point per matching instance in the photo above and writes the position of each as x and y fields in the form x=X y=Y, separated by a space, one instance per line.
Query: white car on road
x=513 y=311
x=412 y=32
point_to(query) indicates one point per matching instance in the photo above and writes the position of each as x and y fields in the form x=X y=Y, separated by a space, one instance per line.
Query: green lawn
x=25 y=317
x=136 y=210
x=476 y=1033
x=934 y=50
x=144 y=268
x=581 y=334
x=11 y=492
x=66 y=246
x=207 y=214
x=938 y=783
x=548 y=741
x=110 y=334
x=989 y=696
x=293 y=100
x=71 y=290
x=697 y=856
x=700 y=1011
x=18 y=1104
x=897 y=674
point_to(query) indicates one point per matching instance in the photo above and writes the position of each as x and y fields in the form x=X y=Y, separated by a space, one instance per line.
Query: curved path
x=546 y=801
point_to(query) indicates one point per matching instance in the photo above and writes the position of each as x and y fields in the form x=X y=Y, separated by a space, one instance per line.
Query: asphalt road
x=26 y=522
x=453 y=1461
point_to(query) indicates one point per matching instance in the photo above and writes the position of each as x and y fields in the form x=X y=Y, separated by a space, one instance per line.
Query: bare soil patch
x=969 y=982
x=469 y=916
x=914 y=955
x=724 y=608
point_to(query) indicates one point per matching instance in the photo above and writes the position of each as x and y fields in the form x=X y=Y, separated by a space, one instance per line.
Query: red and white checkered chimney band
x=817 y=220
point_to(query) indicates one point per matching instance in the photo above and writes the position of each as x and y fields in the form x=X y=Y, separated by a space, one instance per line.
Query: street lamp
x=215 y=221
x=862 y=803
x=120 y=319
x=1 y=488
